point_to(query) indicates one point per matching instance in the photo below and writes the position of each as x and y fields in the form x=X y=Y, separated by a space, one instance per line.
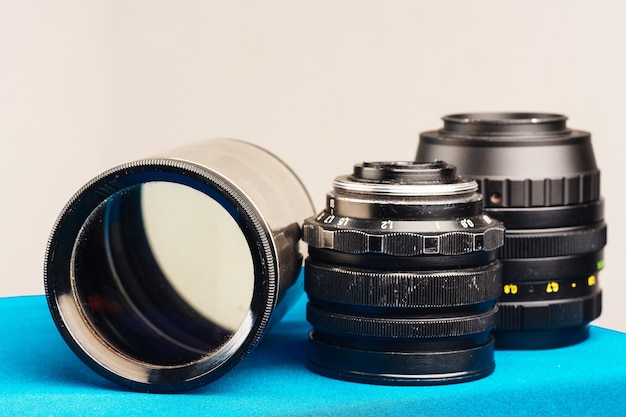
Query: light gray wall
x=88 y=85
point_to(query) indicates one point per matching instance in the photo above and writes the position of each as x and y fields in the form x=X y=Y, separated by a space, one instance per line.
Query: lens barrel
x=541 y=180
x=163 y=273
x=402 y=278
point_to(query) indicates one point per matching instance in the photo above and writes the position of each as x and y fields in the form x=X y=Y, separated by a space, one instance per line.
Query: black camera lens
x=541 y=180
x=402 y=277
x=162 y=274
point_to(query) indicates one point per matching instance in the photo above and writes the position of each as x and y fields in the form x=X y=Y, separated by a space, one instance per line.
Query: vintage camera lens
x=540 y=178
x=162 y=274
x=402 y=278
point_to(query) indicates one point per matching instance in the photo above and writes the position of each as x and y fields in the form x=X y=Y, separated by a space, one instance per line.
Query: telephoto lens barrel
x=541 y=180
x=402 y=277
x=163 y=273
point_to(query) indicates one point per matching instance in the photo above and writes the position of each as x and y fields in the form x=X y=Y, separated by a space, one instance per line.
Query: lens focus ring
x=362 y=287
x=555 y=243
x=556 y=314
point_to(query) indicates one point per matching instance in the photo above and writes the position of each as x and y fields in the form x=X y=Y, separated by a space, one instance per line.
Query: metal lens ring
x=162 y=274
x=402 y=278
x=404 y=179
x=541 y=180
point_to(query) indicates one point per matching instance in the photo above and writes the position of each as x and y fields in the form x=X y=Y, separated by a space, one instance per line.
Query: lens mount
x=403 y=178
x=505 y=124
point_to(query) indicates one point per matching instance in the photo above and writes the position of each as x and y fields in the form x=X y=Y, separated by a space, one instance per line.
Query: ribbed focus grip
x=546 y=192
x=400 y=328
x=554 y=243
x=362 y=287
x=556 y=314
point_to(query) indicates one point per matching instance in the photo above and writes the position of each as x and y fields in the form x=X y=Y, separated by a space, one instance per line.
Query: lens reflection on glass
x=149 y=268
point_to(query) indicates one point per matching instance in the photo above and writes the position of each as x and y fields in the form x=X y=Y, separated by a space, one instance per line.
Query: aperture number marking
x=386 y=224
x=331 y=218
x=510 y=289
x=467 y=223
x=552 y=287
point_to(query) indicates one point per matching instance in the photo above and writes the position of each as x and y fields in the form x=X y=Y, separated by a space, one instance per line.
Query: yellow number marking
x=552 y=287
x=510 y=289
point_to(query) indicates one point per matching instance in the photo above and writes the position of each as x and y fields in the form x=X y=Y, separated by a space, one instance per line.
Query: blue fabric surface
x=39 y=375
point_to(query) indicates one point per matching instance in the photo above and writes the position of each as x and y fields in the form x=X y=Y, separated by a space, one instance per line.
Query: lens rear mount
x=506 y=124
x=409 y=179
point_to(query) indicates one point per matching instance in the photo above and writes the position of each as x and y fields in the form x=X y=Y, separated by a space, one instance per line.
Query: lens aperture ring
x=399 y=243
x=548 y=243
x=366 y=287
x=400 y=328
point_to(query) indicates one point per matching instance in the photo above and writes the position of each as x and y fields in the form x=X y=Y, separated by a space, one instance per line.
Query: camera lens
x=541 y=180
x=402 y=278
x=162 y=274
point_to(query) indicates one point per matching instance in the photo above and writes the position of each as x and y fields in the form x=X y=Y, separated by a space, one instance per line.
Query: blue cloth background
x=39 y=375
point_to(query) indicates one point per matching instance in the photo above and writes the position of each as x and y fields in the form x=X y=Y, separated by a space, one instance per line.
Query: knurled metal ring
x=363 y=287
x=403 y=243
x=400 y=328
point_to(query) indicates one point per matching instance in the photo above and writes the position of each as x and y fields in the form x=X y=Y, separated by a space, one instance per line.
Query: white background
x=87 y=85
